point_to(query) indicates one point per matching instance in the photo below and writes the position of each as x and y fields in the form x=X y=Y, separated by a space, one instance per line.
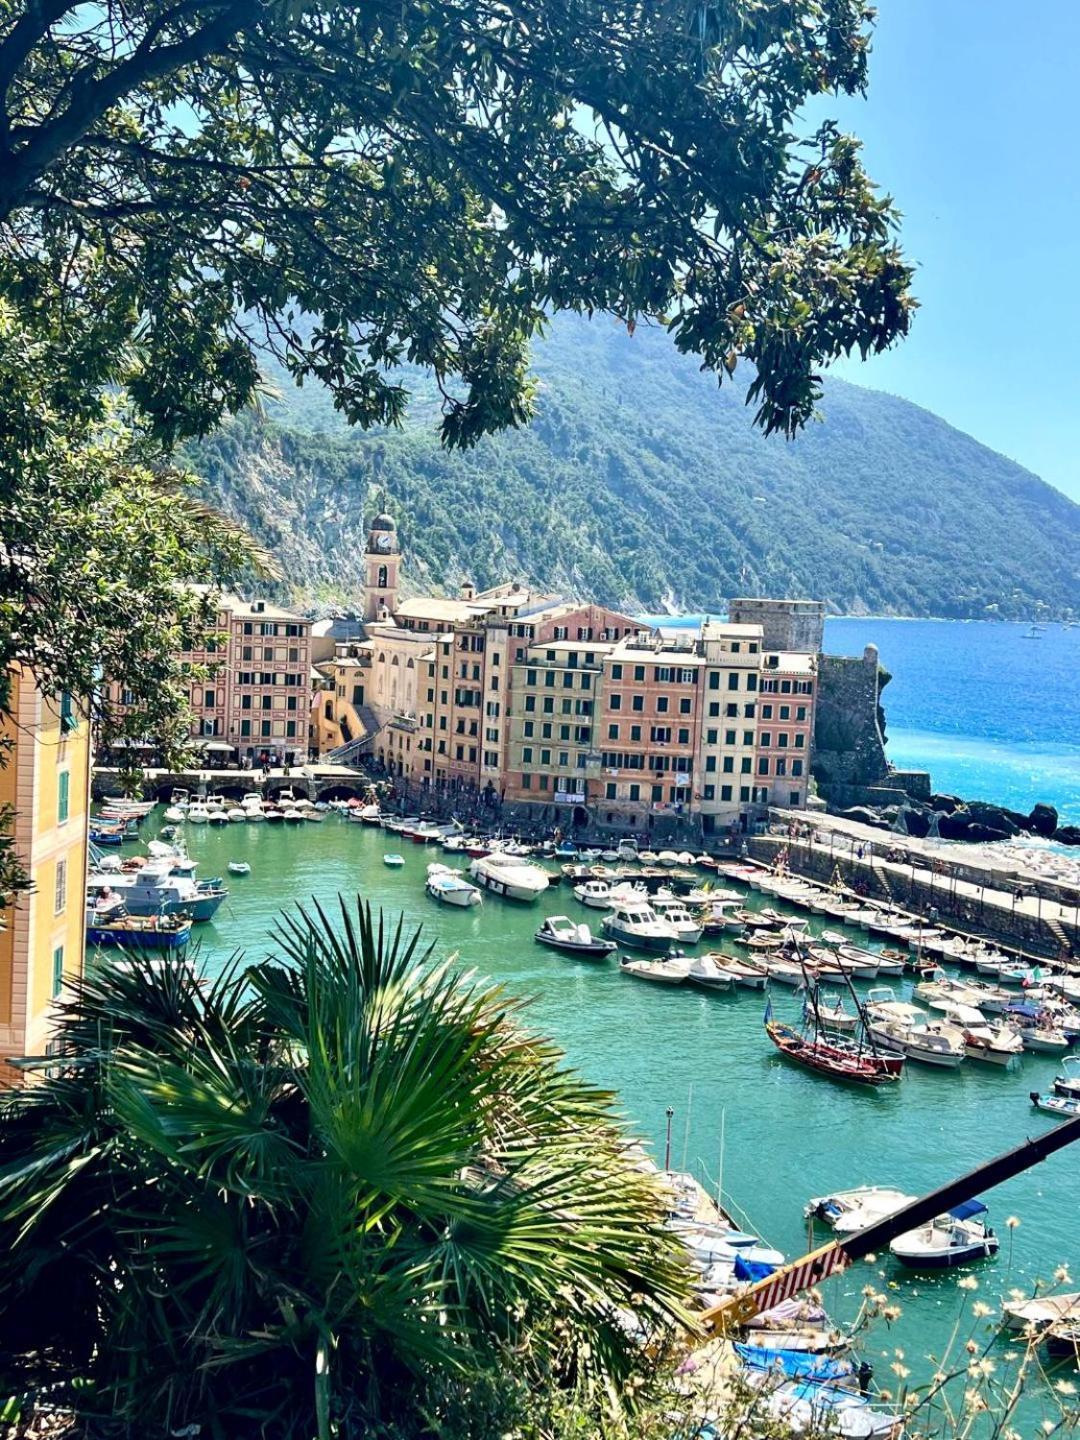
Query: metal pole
x=667 y=1142
x=686 y=1130
x=720 y=1175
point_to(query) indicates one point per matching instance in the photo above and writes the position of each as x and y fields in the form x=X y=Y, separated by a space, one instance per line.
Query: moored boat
x=832 y=1058
x=953 y=1239
x=393 y=859
x=848 y=1211
x=633 y=923
x=1040 y=1311
x=452 y=889
x=509 y=876
x=561 y=933
x=1065 y=1107
x=239 y=867
x=137 y=932
x=661 y=972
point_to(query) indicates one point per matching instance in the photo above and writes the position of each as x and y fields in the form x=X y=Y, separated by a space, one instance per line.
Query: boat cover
x=967 y=1209
x=752 y=1269
x=797 y=1363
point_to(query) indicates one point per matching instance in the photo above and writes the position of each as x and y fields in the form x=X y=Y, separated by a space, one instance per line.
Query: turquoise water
x=991 y=714
x=774 y=1134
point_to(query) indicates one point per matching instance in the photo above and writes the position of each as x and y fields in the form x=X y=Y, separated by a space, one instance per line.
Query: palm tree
x=292 y=1196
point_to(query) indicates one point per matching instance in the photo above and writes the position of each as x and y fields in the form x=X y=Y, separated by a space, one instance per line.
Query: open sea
x=991 y=713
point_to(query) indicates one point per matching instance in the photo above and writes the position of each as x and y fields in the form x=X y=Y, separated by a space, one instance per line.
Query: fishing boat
x=661 y=972
x=137 y=932
x=710 y=972
x=1062 y=1339
x=1042 y=1035
x=1065 y=1107
x=748 y=973
x=560 y=933
x=393 y=859
x=509 y=876
x=634 y=923
x=783 y=971
x=834 y=1058
x=156 y=889
x=848 y=1211
x=594 y=893
x=239 y=867
x=452 y=889
x=953 y=1239
x=1040 y=1311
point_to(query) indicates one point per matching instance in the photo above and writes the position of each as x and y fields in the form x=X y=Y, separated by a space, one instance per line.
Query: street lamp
x=667 y=1143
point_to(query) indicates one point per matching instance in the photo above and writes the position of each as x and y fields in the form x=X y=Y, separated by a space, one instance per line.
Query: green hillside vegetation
x=643 y=485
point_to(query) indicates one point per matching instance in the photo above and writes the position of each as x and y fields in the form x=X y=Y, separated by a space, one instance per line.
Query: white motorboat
x=953 y=1239
x=1043 y=1034
x=1067 y=1082
x=905 y=1029
x=561 y=933
x=452 y=889
x=634 y=923
x=706 y=971
x=688 y=931
x=831 y=1015
x=1040 y=1311
x=239 y=867
x=197 y=814
x=848 y=1211
x=661 y=972
x=236 y=815
x=995 y=1042
x=1066 y=1107
x=175 y=815
x=594 y=893
x=509 y=876
x=667 y=857
x=783 y=971
x=627 y=850
x=393 y=860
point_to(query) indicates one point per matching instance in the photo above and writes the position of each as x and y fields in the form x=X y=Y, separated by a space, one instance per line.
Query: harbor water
x=770 y=1134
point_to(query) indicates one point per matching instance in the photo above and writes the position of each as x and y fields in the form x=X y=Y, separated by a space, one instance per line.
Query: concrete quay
x=1040 y=917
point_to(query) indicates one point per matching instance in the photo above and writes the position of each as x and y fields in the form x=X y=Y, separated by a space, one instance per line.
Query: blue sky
x=970 y=123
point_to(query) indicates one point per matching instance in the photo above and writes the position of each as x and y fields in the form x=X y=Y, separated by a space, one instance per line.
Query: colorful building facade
x=45 y=780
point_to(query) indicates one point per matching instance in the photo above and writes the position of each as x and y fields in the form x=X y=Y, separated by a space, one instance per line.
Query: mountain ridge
x=641 y=484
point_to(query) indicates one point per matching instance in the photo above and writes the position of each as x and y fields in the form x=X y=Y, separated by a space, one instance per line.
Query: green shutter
x=57 y=969
x=63 y=798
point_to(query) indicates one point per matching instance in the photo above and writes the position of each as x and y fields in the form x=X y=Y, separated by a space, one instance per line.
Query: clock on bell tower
x=381 y=563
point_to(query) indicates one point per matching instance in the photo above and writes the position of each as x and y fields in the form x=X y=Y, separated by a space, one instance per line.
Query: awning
x=219 y=745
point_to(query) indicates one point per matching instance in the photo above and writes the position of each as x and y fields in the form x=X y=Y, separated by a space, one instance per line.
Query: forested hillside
x=641 y=484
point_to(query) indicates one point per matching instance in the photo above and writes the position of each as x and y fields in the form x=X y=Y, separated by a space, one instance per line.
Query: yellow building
x=45 y=780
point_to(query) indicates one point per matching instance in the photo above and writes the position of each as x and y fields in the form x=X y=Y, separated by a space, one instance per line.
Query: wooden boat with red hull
x=838 y=1061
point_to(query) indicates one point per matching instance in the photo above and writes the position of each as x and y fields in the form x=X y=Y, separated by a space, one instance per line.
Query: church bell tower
x=381 y=564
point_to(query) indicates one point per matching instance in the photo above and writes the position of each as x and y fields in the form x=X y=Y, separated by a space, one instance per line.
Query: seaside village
x=661 y=778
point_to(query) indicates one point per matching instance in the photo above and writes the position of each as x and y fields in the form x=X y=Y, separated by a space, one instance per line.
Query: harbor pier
x=314 y=781
x=945 y=885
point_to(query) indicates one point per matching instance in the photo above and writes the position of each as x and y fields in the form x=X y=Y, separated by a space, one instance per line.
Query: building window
x=63 y=796
x=710 y=763
x=639 y=673
x=709 y=793
x=684 y=737
x=616 y=672
x=729 y=765
x=795 y=797
x=526 y=782
x=744 y=768
x=744 y=794
x=763 y=765
x=685 y=705
x=796 y=767
x=615 y=703
x=57 y=969
x=68 y=719
x=637 y=702
x=781 y=765
x=613 y=732
x=733 y=680
x=658 y=792
x=800 y=742
x=766 y=712
x=725 y=792
x=765 y=739
x=635 y=792
x=610 y=790
x=661 y=704
x=60 y=893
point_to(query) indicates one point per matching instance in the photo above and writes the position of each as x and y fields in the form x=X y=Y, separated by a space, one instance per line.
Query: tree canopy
x=426 y=179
